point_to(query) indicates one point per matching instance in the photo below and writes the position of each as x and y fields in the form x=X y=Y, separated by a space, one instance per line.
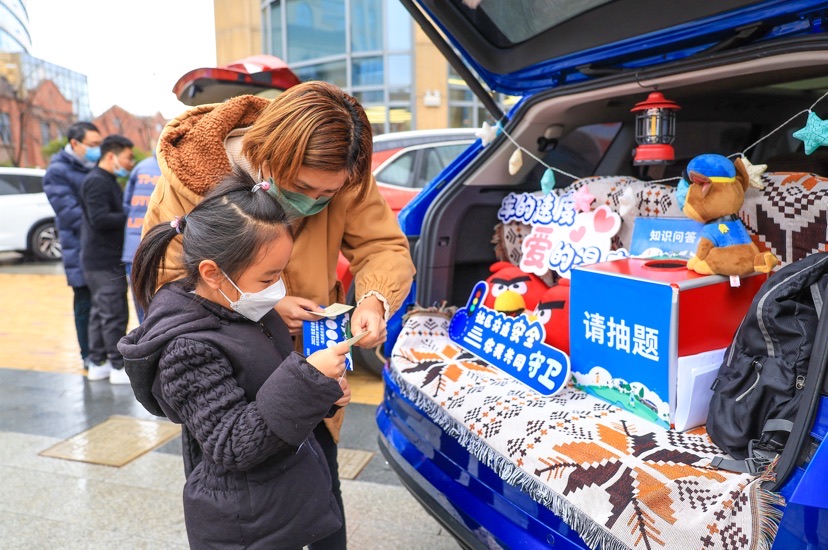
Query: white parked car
x=27 y=221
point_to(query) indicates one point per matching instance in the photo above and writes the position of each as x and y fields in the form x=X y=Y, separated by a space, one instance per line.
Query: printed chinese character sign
x=561 y=237
x=513 y=344
x=324 y=333
x=665 y=238
x=620 y=342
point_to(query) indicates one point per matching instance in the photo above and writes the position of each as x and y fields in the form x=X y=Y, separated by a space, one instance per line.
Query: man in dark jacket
x=62 y=184
x=102 y=241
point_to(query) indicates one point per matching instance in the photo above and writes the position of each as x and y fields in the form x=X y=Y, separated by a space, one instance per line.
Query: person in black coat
x=102 y=241
x=214 y=355
x=62 y=185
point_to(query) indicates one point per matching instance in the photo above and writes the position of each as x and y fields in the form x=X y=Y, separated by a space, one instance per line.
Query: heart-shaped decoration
x=577 y=234
x=603 y=221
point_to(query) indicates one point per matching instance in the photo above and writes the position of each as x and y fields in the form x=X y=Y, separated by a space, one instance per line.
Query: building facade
x=143 y=131
x=14 y=27
x=38 y=102
x=370 y=48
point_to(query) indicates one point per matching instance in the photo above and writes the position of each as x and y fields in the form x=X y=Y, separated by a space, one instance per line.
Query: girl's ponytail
x=149 y=258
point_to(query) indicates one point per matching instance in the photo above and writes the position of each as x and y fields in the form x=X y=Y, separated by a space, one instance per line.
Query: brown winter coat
x=193 y=153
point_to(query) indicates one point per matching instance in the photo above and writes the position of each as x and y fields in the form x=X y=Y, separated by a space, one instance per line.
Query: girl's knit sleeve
x=197 y=383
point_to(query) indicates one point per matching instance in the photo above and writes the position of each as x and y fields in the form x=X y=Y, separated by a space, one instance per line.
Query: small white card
x=333 y=310
x=356 y=338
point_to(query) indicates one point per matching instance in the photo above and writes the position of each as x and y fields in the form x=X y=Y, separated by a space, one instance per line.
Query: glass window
x=8 y=188
x=461 y=117
x=276 y=28
x=460 y=94
x=436 y=159
x=369 y=96
x=366 y=71
x=333 y=72
x=515 y=21
x=366 y=25
x=31 y=184
x=399 y=171
x=398 y=26
x=483 y=115
x=5 y=128
x=45 y=133
x=403 y=94
x=315 y=28
x=399 y=119
x=399 y=70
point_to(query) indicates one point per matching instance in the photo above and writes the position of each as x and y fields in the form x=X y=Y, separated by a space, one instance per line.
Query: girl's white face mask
x=254 y=305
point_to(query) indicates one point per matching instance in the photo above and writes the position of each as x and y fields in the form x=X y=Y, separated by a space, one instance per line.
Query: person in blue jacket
x=137 y=192
x=62 y=184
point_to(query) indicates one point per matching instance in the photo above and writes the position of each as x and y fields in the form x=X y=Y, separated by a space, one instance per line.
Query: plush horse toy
x=712 y=192
x=511 y=290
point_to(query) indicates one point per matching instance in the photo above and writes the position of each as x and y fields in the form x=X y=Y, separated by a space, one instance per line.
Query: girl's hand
x=293 y=310
x=330 y=361
x=346 y=390
x=370 y=316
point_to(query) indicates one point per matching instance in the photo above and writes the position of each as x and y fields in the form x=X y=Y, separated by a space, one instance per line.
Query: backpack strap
x=815 y=378
x=757 y=461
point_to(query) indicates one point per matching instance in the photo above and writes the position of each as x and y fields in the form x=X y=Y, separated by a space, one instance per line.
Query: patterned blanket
x=616 y=479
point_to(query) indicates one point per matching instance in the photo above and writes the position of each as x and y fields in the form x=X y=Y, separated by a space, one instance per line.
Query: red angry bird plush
x=553 y=313
x=512 y=291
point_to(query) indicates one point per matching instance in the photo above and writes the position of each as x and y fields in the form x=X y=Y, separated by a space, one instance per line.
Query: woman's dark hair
x=228 y=227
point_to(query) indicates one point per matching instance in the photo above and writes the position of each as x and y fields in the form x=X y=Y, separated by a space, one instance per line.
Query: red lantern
x=655 y=129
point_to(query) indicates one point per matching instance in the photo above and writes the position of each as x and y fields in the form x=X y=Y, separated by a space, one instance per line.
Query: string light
x=758 y=168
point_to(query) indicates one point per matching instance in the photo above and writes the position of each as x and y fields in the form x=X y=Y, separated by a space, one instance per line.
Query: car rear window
x=519 y=20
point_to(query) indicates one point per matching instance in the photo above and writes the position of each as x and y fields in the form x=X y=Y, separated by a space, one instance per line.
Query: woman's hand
x=346 y=390
x=293 y=310
x=331 y=361
x=370 y=316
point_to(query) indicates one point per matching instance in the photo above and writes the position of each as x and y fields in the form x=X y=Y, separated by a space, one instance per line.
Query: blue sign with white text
x=620 y=338
x=513 y=344
x=665 y=238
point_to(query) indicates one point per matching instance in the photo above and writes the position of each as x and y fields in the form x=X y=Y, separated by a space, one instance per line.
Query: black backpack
x=774 y=369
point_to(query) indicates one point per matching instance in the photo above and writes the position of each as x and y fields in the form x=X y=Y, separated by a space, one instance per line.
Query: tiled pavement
x=55 y=503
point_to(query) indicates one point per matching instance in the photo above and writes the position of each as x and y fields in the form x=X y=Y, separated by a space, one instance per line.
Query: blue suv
x=744 y=74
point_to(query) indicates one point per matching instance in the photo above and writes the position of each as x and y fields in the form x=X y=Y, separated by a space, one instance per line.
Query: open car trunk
x=748 y=98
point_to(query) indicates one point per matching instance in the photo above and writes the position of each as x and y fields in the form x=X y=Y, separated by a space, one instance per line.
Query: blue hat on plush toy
x=717 y=168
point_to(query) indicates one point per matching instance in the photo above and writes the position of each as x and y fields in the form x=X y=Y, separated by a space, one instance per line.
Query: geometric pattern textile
x=615 y=478
x=788 y=218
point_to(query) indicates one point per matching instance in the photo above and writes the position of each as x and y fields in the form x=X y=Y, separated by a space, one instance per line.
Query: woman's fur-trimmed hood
x=191 y=149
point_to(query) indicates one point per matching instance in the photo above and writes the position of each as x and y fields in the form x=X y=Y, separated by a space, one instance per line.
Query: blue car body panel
x=649 y=50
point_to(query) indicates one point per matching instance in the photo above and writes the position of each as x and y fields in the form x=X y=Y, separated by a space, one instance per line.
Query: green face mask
x=297 y=203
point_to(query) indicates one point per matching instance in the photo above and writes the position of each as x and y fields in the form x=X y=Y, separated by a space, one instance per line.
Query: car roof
x=22 y=171
x=524 y=46
x=396 y=140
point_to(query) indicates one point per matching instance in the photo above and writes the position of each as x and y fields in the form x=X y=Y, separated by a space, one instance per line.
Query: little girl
x=212 y=354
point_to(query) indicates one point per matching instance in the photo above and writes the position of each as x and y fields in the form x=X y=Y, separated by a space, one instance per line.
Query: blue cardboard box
x=647 y=335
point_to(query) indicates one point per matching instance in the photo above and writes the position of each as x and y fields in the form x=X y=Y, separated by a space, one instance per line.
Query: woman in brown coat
x=314 y=142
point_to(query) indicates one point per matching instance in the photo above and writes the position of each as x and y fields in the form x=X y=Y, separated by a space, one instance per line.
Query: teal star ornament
x=814 y=134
